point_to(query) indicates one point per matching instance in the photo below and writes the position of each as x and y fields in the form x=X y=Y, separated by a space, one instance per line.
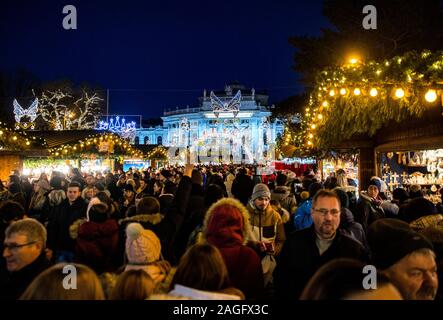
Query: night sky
x=161 y=54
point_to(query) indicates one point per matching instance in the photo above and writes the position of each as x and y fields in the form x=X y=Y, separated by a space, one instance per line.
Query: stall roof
x=412 y=144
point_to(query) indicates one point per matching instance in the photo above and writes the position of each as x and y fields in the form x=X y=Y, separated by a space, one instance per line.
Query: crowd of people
x=215 y=232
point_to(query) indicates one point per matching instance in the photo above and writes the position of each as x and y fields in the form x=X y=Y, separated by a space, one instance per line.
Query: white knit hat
x=142 y=246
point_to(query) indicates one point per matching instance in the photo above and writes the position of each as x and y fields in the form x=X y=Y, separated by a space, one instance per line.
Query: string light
x=373 y=92
x=399 y=93
x=342 y=91
x=357 y=91
x=431 y=96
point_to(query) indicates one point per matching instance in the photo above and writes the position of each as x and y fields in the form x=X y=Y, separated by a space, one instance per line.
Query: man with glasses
x=305 y=251
x=24 y=251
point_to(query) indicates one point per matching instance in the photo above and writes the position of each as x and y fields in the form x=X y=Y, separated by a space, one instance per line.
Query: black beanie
x=390 y=240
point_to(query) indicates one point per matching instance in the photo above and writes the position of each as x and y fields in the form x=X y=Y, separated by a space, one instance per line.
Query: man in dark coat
x=305 y=251
x=24 y=251
x=61 y=218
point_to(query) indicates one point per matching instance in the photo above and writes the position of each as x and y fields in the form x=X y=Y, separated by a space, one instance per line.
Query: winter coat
x=242 y=188
x=351 y=228
x=283 y=195
x=60 y=219
x=367 y=211
x=195 y=212
x=96 y=244
x=53 y=198
x=302 y=218
x=266 y=226
x=230 y=235
x=13 y=284
x=300 y=259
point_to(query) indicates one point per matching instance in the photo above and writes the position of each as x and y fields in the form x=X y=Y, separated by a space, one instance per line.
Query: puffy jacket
x=302 y=218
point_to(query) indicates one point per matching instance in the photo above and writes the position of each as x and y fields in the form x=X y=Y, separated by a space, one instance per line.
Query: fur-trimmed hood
x=280 y=193
x=141 y=218
x=56 y=197
x=231 y=226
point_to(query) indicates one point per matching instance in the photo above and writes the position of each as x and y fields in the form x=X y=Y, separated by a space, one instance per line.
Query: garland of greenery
x=360 y=98
x=84 y=149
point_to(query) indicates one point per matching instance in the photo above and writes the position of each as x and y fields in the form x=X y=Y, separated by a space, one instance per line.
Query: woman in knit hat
x=143 y=252
x=226 y=226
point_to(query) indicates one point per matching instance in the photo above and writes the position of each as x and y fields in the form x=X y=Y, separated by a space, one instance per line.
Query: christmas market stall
x=155 y=157
x=87 y=150
x=377 y=107
x=15 y=146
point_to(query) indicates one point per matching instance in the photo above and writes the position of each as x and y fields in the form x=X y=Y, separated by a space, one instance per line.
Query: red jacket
x=97 y=245
x=226 y=226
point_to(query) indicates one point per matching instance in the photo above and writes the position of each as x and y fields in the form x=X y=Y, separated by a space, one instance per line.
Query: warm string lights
x=158 y=152
x=361 y=97
x=108 y=143
x=18 y=140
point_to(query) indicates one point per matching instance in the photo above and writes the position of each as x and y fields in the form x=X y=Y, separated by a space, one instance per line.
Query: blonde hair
x=48 y=285
x=133 y=285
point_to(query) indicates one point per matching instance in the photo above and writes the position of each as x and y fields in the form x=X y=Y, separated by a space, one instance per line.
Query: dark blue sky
x=160 y=54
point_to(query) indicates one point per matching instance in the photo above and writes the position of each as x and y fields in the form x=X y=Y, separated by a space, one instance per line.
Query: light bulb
x=399 y=93
x=431 y=96
x=373 y=92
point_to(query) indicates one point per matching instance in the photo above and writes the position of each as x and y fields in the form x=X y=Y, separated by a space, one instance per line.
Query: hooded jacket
x=283 y=195
x=266 y=226
x=351 y=228
x=226 y=226
x=96 y=244
x=367 y=211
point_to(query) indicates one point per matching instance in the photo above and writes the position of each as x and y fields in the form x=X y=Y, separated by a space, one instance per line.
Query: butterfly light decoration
x=232 y=106
x=30 y=113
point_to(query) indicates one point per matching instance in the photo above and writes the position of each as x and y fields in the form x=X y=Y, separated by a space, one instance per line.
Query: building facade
x=232 y=125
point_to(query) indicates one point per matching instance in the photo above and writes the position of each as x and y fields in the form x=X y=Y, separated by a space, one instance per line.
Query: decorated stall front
x=88 y=151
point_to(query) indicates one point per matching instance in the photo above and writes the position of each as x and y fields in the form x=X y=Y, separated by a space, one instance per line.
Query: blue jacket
x=302 y=218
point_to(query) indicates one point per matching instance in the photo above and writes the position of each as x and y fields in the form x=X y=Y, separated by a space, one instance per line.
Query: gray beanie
x=260 y=190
